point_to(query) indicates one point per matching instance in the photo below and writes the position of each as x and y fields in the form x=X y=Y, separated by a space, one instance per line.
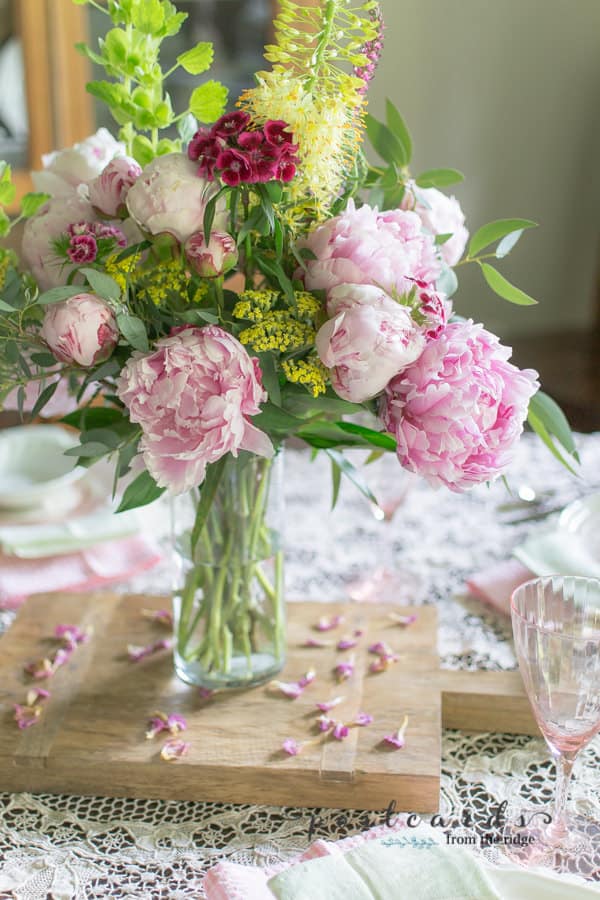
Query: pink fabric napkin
x=495 y=584
x=87 y=569
x=233 y=881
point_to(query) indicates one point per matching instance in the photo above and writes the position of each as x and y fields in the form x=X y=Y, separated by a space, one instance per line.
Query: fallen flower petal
x=315 y=642
x=36 y=694
x=380 y=648
x=160 y=616
x=340 y=731
x=72 y=634
x=346 y=643
x=325 y=624
x=26 y=715
x=290 y=688
x=62 y=655
x=324 y=723
x=307 y=679
x=329 y=704
x=402 y=620
x=41 y=668
x=176 y=723
x=137 y=653
x=363 y=719
x=383 y=663
x=358 y=632
x=174 y=750
x=156 y=724
x=344 y=670
x=397 y=739
x=291 y=747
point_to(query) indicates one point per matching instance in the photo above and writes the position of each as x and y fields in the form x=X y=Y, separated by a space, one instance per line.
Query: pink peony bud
x=80 y=330
x=212 y=259
x=108 y=192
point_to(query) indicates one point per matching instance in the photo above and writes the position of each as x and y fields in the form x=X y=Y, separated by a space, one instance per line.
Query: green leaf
x=6 y=307
x=507 y=243
x=87 y=51
x=58 y=294
x=208 y=101
x=270 y=378
x=442 y=238
x=4 y=224
x=140 y=492
x=336 y=480
x=43 y=398
x=351 y=473
x=187 y=128
x=272 y=268
x=554 y=420
x=148 y=16
x=542 y=432
x=143 y=151
x=91 y=449
x=275 y=190
x=376 y=438
x=93 y=417
x=31 y=203
x=133 y=330
x=105 y=286
x=44 y=359
x=209 y=214
x=398 y=127
x=104 y=436
x=385 y=142
x=447 y=283
x=276 y=421
x=495 y=230
x=7 y=188
x=297 y=401
x=198 y=59
x=439 y=178
x=501 y=286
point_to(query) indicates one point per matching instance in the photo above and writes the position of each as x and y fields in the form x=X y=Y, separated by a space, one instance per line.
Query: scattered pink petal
x=346 y=643
x=340 y=731
x=344 y=670
x=358 y=632
x=327 y=624
x=137 y=653
x=72 y=634
x=62 y=656
x=36 y=694
x=156 y=724
x=397 y=739
x=291 y=747
x=26 y=715
x=160 y=616
x=205 y=693
x=159 y=721
x=291 y=689
x=383 y=663
x=380 y=648
x=402 y=620
x=174 y=750
x=41 y=668
x=176 y=723
x=307 y=679
x=315 y=642
x=363 y=719
x=324 y=723
x=329 y=704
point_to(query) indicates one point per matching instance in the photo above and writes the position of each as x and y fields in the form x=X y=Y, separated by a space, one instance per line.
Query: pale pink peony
x=192 y=396
x=108 y=191
x=458 y=411
x=212 y=259
x=64 y=170
x=440 y=214
x=370 y=338
x=169 y=196
x=48 y=269
x=80 y=330
x=364 y=246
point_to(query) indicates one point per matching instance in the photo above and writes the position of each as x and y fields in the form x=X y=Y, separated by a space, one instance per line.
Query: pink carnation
x=369 y=340
x=458 y=411
x=108 y=192
x=53 y=219
x=364 y=246
x=192 y=396
x=439 y=214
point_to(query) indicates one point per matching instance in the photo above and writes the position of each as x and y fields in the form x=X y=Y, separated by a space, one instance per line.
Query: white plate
x=33 y=467
x=582 y=518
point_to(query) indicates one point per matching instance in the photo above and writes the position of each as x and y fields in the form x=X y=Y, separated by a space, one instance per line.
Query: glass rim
x=536 y=580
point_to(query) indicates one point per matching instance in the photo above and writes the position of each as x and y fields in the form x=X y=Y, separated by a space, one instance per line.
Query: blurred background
x=506 y=92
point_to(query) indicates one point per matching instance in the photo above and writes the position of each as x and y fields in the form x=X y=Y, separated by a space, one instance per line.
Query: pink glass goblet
x=556 y=626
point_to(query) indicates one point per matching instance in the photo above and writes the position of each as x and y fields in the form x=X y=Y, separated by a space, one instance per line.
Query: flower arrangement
x=214 y=282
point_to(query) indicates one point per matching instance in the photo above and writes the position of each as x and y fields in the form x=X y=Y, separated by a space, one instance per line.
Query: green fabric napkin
x=387 y=869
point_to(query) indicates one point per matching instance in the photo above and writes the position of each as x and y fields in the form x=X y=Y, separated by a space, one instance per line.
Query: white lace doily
x=75 y=847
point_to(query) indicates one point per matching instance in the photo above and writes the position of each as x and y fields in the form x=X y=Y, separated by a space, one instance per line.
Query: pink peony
x=169 y=196
x=439 y=214
x=64 y=170
x=364 y=246
x=369 y=340
x=212 y=259
x=108 y=191
x=54 y=218
x=80 y=330
x=192 y=396
x=458 y=411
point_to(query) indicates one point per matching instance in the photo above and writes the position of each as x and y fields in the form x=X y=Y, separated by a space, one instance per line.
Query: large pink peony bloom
x=440 y=214
x=64 y=170
x=370 y=338
x=169 y=196
x=108 y=191
x=364 y=246
x=458 y=411
x=192 y=396
x=54 y=218
x=81 y=330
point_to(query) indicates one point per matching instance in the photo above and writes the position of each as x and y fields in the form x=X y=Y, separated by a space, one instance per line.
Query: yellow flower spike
x=309 y=372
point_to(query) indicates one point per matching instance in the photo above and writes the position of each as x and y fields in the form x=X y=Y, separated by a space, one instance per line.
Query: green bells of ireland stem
x=229 y=615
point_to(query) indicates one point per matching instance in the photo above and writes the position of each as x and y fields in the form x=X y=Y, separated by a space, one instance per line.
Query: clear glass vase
x=228 y=604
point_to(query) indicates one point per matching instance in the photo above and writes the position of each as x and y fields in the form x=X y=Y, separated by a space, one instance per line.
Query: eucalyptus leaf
x=58 y=294
x=91 y=449
x=43 y=398
x=133 y=330
x=140 y=492
x=494 y=231
x=103 y=285
x=439 y=178
x=501 y=286
x=351 y=472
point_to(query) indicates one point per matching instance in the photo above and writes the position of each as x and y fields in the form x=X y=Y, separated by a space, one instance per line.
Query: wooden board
x=91 y=736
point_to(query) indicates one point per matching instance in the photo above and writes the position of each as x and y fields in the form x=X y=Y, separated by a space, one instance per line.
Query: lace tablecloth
x=82 y=847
